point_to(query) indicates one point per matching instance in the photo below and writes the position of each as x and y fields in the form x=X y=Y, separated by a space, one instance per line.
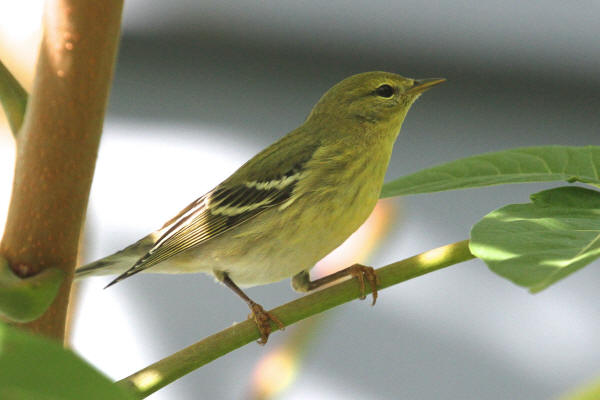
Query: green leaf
x=591 y=391
x=527 y=164
x=13 y=98
x=24 y=300
x=37 y=368
x=536 y=244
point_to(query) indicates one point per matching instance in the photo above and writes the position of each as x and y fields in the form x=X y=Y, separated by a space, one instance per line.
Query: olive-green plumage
x=292 y=203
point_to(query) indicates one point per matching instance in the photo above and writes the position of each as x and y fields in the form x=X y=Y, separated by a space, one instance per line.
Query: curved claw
x=361 y=272
x=263 y=321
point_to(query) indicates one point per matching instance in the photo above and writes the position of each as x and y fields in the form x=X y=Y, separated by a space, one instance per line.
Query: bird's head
x=379 y=98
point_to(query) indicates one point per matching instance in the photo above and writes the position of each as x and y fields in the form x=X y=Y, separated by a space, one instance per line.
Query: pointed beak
x=421 y=85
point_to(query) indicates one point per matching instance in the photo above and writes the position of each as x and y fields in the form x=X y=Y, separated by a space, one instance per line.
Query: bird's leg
x=302 y=283
x=261 y=317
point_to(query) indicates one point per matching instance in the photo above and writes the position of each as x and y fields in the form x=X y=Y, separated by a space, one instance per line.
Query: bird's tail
x=118 y=262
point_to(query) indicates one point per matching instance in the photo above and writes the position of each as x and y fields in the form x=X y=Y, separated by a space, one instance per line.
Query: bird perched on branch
x=291 y=204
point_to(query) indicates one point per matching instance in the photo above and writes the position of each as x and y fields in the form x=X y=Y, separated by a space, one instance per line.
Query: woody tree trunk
x=58 y=143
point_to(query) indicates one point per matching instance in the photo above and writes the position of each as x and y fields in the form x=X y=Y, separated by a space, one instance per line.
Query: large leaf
x=36 y=368
x=590 y=391
x=537 y=244
x=527 y=164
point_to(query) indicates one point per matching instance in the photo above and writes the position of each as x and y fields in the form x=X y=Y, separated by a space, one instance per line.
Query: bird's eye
x=385 y=91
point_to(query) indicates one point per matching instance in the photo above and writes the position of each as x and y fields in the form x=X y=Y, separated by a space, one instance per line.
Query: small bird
x=289 y=205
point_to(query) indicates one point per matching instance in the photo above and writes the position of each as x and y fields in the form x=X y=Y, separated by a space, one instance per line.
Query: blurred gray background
x=201 y=86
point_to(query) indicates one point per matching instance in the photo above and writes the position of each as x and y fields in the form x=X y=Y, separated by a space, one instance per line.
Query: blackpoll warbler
x=291 y=204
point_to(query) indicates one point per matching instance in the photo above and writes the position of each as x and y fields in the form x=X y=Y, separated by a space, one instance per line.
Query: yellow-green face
x=375 y=97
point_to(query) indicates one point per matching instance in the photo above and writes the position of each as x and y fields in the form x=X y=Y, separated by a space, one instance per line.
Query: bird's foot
x=263 y=320
x=362 y=272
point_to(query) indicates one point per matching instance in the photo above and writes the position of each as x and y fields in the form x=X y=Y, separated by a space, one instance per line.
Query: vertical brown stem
x=58 y=143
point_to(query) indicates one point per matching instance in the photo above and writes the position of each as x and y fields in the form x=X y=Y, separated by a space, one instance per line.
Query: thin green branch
x=13 y=98
x=150 y=379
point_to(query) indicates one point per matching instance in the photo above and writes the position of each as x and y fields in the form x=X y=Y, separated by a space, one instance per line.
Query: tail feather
x=118 y=262
x=124 y=275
